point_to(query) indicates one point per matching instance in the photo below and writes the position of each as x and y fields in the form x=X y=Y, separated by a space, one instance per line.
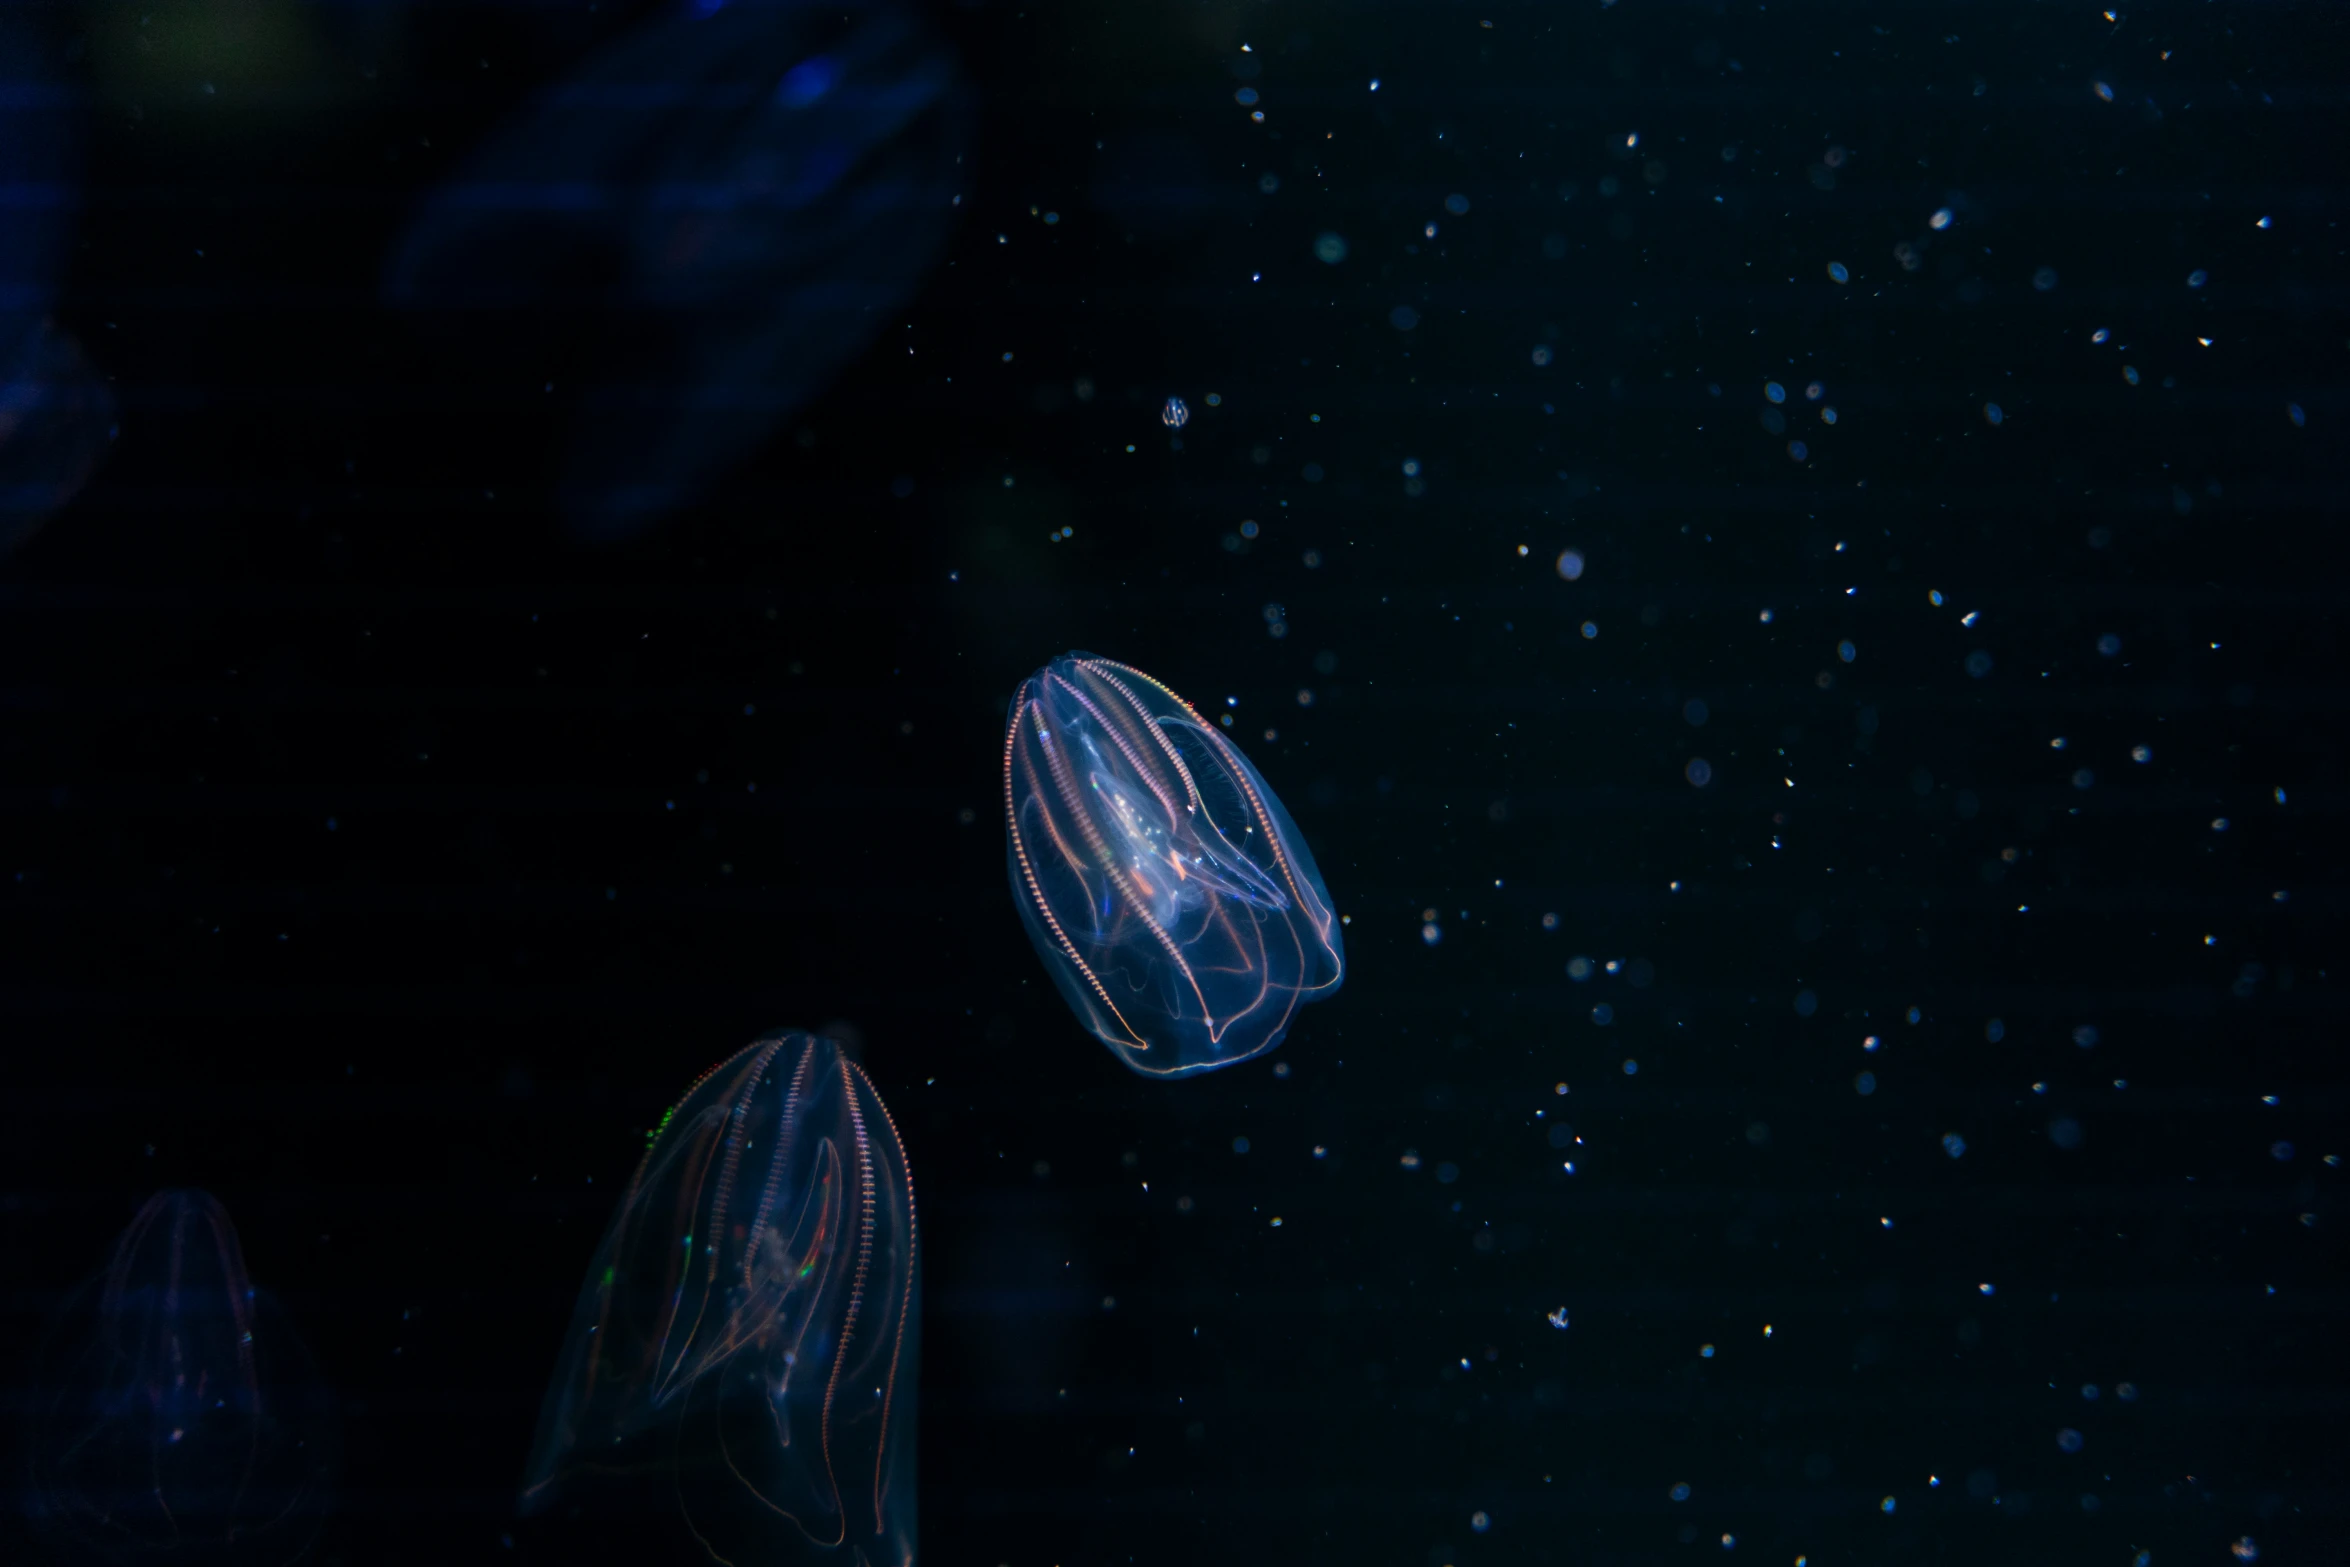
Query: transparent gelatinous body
x=1170 y=895
x=709 y=220
x=176 y=1417
x=55 y=410
x=748 y=1333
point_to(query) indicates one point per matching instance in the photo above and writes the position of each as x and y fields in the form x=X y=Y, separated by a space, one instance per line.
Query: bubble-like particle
x=1837 y=273
x=1699 y=772
x=1541 y=355
x=2141 y=754
x=1940 y=220
x=1330 y=249
x=1570 y=565
x=1480 y=1521
x=1774 y=392
x=2069 y=1440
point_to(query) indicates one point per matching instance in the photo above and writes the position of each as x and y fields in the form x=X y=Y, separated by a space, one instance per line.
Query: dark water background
x=383 y=860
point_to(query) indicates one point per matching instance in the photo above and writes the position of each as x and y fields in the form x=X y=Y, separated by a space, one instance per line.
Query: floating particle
x=1570 y=565
x=2100 y=335
x=1774 y=392
x=1403 y=318
x=2086 y=1036
x=1603 y=1014
x=1330 y=249
x=1995 y=1030
x=2065 y=1133
x=1694 y=712
x=1457 y=205
x=1940 y=220
x=2102 y=91
x=1558 y=1319
x=2281 y=1152
x=1846 y=652
x=1827 y=416
x=1797 y=451
x=2197 y=278
x=1865 y=1084
x=1410 y=1159
x=1174 y=415
x=1806 y=1003
x=1580 y=968
x=1269 y=182
x=2141 y=753
x=1631 y=1068
x=1446 y=1174
x=2127 y=1392
x=1246 y=97
x=2089 y=1391
x=2245 y=1549
x=1541 y=354
x=1886 y=1505
x=1837 y=272
x=1953 y=1145
x=2294 y=413
x=2130 y=374
x=2108 y=645
x=1431 y=933
x=1680 y=1491
x=1814 y=392
x=1480 y=1521
x=1987 y=1289
x=2083 y=778
x=1699 y=772
x=2044 y=279
x=1978 y=663
x=2069 y=1440
x=1590 y=631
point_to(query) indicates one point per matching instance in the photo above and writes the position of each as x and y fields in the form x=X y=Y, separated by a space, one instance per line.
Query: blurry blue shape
x=54 y=410
x=175 y=1416
x=749 y=1333
x=720 y=211
x=1172 y=899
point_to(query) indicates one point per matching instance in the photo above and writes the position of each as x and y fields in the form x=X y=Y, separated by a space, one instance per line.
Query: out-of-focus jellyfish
x=713 y=217
x=176 y=1417
x=55 y=412
x=1171 y=897
x=749 y=1332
